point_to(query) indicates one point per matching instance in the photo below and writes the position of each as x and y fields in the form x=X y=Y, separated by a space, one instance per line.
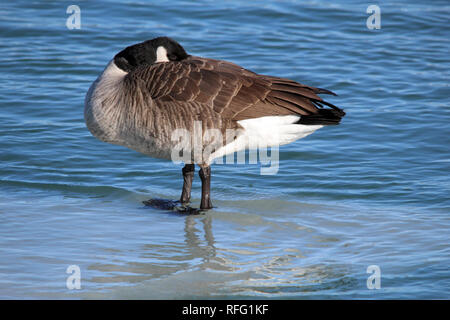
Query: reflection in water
x=158 y=260
x=194 y=244
x=196 y=260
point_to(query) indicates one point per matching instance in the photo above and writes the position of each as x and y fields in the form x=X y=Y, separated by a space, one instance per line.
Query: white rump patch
x=276 y=130
x=264 y=132
x=161 y=54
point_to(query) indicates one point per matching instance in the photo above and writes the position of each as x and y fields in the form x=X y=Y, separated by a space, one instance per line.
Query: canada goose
x=150 y=89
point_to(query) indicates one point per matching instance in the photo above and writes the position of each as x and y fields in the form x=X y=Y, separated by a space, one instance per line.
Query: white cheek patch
x=161 y=54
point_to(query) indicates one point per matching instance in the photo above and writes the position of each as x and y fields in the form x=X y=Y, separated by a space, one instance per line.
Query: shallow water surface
x=371 y=191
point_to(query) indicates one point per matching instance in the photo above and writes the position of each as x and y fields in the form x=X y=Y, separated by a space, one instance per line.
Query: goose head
x=158 y=50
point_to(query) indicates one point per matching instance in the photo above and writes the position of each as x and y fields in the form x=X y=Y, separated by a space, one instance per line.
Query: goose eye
x=172 y=57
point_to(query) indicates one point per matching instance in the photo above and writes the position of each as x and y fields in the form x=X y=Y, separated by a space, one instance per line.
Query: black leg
x=188 y=176
x=205 y=176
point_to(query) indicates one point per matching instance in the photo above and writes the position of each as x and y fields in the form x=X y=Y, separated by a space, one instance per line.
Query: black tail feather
x=323 y=117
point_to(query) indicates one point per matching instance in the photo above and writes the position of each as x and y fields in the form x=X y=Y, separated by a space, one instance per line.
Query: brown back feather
x=227 y=89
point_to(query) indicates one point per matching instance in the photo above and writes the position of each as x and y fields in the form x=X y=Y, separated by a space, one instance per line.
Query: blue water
x=372 y=191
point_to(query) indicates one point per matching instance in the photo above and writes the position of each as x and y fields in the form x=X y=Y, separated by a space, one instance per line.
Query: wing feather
x=228 y=90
